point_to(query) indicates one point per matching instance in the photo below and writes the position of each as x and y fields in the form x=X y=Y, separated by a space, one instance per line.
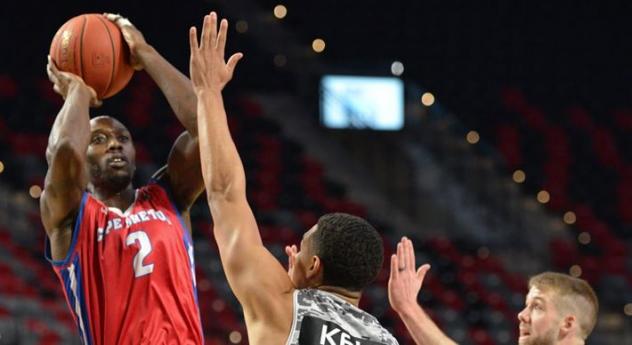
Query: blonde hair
x=572 y=294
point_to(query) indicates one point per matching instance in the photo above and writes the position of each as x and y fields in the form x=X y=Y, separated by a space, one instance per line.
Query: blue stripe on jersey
x=186 y=241
x=73 y=242
x=73 y=284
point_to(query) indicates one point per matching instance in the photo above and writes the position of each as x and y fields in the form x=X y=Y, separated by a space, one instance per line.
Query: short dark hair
x=350 y=249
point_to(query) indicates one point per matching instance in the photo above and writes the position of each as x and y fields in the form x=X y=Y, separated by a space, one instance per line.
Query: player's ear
x=315 y=268
x=567 y=324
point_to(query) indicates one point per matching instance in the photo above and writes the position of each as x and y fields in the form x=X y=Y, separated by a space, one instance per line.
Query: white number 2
x=145 y=249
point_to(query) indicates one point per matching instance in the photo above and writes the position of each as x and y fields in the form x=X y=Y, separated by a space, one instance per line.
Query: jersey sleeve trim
x=294 y=316
x=166 y=186
x=73 y=242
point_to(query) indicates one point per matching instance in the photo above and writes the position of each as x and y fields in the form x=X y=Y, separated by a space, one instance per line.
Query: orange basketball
x=93 y=48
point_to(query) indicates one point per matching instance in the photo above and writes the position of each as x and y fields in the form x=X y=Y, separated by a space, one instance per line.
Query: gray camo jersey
x=321 y=318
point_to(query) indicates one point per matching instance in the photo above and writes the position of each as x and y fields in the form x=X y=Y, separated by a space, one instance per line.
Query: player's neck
x=571 y=341
x=352 y=297
x=120 y=199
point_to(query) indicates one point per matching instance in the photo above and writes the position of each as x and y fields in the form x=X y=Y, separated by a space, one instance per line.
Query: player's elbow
x=225 y=187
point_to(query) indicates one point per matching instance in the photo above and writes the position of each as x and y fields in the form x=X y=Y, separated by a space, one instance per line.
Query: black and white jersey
x=321 y=318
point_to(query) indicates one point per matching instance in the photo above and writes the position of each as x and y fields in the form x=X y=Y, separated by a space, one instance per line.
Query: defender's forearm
x=222 y=168
x=176 y=87
x=421 y=327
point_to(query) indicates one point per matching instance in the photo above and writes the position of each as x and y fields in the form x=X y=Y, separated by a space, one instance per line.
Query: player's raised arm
x=66 y=177
x=183 y=165
x=403 y=287
x=253 y=273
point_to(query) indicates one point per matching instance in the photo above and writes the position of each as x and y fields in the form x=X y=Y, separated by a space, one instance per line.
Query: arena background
x=517 y=160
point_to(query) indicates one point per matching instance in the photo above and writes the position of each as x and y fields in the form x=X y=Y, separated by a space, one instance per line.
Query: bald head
x=106 y=120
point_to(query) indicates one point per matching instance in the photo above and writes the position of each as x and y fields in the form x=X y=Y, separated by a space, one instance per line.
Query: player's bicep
x=64 y=185
x=184 y=170
x=248 y=265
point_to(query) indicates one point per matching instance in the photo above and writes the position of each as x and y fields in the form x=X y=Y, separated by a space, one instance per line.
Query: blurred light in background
x=35 y=191
x=235 y=337
x=218 y=305
x=1 y=167
x=241 y=26
x=584 y=238
x=397 y=68
x=570 y=218
x=575 y=271
x=280 y=11
x=483 y=252
x=628 y=309
x=318 y=45
x=427 y=99
x=543 y=197
x=519 y=176
x=472 y=137
x=280 y=60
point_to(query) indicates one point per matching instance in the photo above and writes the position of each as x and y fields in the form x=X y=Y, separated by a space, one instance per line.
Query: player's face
x=539 y=320
x=111 y=153
x=303 y=261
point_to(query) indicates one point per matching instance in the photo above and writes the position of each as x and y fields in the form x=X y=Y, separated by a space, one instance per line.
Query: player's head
x=341 y=251
x=111 y=154
x=558 y=308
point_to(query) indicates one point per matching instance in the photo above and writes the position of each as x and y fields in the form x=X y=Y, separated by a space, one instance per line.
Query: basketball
x=93 y=48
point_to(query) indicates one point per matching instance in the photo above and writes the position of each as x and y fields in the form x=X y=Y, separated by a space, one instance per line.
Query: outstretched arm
x=403 y=287
x=183 y=164
x=66 y=177
x=255 y=276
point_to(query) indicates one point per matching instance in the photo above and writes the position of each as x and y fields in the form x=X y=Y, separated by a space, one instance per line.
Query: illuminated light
x=1 y=167
x=318 y=45
x=397 y=68
x=570 y=218
x=543 y=197
x=241 y=26
x=584 y=238
x=280 y=11
x=235 y=337
x=575 y=271
x=519 y=176
x=280 y=60
x=627 y=309
x=427 y=99
x=483 y=252
x=472 y=137
x=35 y=191
x=218 y=305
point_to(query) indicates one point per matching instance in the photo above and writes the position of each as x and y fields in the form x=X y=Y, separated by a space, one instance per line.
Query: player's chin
x=119 y=177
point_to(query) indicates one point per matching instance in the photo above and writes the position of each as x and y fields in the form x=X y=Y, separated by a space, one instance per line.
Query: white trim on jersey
x=73 y=287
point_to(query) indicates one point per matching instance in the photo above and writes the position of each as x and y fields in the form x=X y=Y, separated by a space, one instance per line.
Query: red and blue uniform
x=129 y=277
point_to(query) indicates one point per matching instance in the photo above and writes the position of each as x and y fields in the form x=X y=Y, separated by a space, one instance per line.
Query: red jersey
x=129 y=277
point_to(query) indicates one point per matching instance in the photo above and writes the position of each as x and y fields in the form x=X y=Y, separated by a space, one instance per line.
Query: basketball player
x=123 y=255
x=559 y=309
x=316 y=300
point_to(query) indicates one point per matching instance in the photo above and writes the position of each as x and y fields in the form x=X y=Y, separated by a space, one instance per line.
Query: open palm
x=208 y=68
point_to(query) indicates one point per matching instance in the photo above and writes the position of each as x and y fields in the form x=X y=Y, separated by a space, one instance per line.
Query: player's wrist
x=144 y=52
x=408 y=309
x=209 y=90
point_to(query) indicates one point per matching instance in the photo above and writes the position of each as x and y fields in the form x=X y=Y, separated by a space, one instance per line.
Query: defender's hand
x=64 y=82
x=404 y=282
x=209 y=70
x=132 y=36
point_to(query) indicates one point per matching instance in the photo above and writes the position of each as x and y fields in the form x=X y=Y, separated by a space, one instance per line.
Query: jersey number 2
x=141 y=237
